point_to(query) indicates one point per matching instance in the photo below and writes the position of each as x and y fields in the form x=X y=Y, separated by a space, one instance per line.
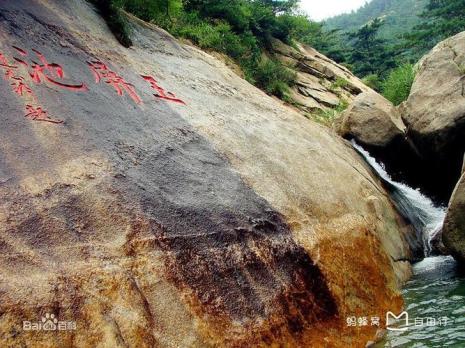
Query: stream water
x=435 y=295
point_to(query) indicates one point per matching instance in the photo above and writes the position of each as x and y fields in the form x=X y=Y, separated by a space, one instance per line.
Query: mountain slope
x=399 y=16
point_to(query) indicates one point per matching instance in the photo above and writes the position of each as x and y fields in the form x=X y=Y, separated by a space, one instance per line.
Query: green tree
x=441 y=19
x=369 y=54
x=281 y=6
x=236 y=13
x=399 y=17
x=111 y=12
x=243 y=29
x=326 y=42
x=160 y=11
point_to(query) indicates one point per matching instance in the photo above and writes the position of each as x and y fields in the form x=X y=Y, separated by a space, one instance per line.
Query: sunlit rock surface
x=435 y=115
x=226 y=219
x=372 y=121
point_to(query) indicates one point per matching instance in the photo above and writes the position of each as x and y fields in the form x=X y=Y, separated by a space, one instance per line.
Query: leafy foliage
x=397 y=86
x=376 y=38
x=441 y=19
x=281 y=6
x=116 y=23
x=327 y=117
x=369 y=53
x=273 y=78
x=373 y=81
x=159 y=11
x=339 y=83
x=377 y=42
x=385 y=34
x=327 y=42
x=242 y=29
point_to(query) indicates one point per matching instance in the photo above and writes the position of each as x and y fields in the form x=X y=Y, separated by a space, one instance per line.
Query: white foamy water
x=426 y=218
x=437 y=289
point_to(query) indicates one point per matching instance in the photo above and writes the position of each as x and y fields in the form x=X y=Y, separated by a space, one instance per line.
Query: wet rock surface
x=421 y=142
x=229 y=220
x=453 y=234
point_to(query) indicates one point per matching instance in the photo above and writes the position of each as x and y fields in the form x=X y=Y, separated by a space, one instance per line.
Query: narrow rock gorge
x=421 y=141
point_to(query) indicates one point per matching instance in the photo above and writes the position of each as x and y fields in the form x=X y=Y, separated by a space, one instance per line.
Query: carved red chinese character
x=20 y=87
x=46 y=71
x=5 y=64
x=101 y=71
x=17 y=82
x=160 y=91
x=9 y=69
x=39 y=114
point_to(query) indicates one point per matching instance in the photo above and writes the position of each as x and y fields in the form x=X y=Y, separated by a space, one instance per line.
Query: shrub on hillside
x=397 y=86
x=271 y=76
x=372 y=81
x=241 y=29
x=116 y=22
x=340 y=83
x=328 y=116
x=161 y=12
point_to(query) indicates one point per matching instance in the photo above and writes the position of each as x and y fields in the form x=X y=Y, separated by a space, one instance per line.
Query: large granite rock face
x=453 y=233
x=229 y=220
x=435 y=114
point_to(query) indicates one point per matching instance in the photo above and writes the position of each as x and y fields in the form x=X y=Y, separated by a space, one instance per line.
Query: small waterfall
x=426 y=218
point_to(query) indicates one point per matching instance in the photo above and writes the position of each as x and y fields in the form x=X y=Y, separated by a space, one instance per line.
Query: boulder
x=435 y=115
x=453 y=234
x=373 y=122
x=185 y=208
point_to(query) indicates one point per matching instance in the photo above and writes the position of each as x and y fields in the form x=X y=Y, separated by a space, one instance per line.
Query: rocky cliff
x=321 y=84
x=152 y=198
x=435 y=115
x=454 y=224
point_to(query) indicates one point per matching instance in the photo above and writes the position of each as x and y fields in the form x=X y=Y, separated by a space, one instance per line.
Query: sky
x=322 y=9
